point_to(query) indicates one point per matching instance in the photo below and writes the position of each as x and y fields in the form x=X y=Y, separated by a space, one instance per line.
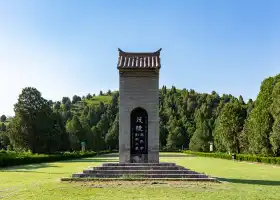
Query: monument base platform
x=139 y=171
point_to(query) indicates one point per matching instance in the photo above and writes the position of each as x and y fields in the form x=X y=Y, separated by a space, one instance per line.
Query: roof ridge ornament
x=120 y=50
x=137 y=53
x=158 y=51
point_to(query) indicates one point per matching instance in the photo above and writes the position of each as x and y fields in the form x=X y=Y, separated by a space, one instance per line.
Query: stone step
x=137 y=168
x=139 y=164
x=93 y=172
x=140 y=179
x=140 y=171
x=144 y=176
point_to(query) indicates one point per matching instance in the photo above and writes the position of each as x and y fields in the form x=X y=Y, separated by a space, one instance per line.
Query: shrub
x=165 y=149
x=9 y=158
x=240 y=157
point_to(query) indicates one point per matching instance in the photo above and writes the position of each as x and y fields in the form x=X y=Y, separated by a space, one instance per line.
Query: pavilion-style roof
x=131 y=60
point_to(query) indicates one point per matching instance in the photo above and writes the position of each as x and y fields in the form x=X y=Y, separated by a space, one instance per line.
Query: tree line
x=188 y=120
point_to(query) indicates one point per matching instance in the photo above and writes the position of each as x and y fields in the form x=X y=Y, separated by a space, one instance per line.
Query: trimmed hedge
x=8 y=158
x=169 y=150
x=240 y=157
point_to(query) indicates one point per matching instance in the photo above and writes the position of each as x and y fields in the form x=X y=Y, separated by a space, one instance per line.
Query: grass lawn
x=97 y=99
x=241 y=180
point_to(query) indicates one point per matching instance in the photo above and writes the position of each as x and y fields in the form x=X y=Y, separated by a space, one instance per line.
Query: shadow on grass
x=32 y=171
x=91 y=160
x=112 y=155
x=252 y=182
x=32 y=167
x=99 y=158
x=27 y=167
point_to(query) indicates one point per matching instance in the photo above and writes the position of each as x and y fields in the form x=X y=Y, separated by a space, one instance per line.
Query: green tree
x=88 y=96
x=201 y=138
x=259 y=127
x=57 y=105
x=4 y=140
x=250 y=106
x=104 y=124
x=98 y=139
x=18 y=134
x=112 y=137
x=51 y=103
x=3 y=127
x=260 y=120
x=109 y=92
x=92 y=116
x=202 y=135
x=87 y=131
x=60 y=139
x=74 y=127
x=275 y=111
x=229 y=126
x=67 y=105
x=240 y=100
x=33 y=119
x=175 y=138
x=275 y=137
x=65 y=99
x=3 y=118
x=66 y=115
x=163 y=133
x=76 y=99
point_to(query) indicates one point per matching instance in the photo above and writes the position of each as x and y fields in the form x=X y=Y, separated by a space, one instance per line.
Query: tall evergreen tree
x=229 y=126
x=275 y=111
x=260 y=121
x=202 y=135
x=112 y=137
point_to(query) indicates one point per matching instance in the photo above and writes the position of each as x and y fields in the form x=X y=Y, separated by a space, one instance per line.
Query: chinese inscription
x=139 y=131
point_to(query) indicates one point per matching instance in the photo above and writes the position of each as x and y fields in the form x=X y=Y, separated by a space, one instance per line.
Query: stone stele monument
x=139 y=126
x=139 y=107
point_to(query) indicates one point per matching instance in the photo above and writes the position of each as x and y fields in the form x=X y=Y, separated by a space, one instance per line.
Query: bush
x=240 y=157
x=9 y=158
x=165 y=149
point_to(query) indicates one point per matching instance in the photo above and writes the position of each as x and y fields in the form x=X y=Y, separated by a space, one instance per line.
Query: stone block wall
x=139 y=89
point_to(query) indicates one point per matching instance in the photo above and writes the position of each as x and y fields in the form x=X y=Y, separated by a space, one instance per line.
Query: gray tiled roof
x=129 y=60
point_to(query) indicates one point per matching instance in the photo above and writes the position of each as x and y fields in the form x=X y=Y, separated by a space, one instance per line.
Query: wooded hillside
x=187 y=119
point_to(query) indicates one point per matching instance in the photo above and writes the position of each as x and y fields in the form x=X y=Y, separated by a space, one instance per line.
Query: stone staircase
x=139 y=171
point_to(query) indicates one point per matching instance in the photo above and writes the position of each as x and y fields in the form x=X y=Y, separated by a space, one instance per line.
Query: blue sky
x=66 y=47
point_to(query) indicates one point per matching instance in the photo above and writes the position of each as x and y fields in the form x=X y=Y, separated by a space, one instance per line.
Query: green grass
x=97 y=99
x=241 y=180
x=94 y=101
